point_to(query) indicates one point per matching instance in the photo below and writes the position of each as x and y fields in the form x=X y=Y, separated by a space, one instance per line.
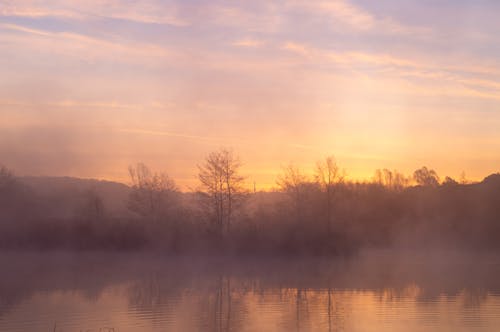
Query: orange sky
x=90 y=87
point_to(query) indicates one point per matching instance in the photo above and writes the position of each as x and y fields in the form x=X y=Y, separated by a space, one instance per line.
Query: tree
x=293 y=182
x=221 y=181
x=152 y=194
x=7 y=186
x=6 y=177
x=426 y=177
x=393 y=180
x=449 y=181
x=329 y=176
x=92 y=206
x=463 y=178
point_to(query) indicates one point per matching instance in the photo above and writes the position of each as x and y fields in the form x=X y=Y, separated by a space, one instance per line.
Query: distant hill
x=69 y=189
x=493 y=179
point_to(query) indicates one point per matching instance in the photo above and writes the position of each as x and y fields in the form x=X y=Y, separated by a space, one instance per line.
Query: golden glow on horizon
x=88 y=89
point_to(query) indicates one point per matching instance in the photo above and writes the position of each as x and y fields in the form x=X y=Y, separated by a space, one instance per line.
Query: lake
x=375 y=291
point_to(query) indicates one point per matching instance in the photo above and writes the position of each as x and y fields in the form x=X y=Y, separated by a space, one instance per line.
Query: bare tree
x=449 y=181
x=92 y=206
x=293 y=182
x=152 y=194
x=7 y=183
x=393 y=180
x=426 y=177
x=6 y=177
x=463 y=178
x=221 y=181
x=329 y=176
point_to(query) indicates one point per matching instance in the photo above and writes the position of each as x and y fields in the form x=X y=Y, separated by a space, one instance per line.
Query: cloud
x=25 y=29
x=169 y=134
x=248 y=42
x=79 y=45
x=151 y=11
x=255 y=16
x=464 y=77
x=33 y=10
x=343 y=13
x=298 y=48
x=218 y=141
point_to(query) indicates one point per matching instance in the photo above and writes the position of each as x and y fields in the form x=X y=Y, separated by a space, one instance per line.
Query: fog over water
x=376 y=290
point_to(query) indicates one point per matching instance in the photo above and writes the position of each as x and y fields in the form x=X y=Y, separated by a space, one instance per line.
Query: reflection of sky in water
x=133 y=295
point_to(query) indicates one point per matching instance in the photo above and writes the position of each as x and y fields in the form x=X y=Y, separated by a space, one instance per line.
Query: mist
x=320 y=215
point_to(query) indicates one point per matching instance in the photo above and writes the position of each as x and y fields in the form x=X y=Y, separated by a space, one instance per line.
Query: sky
x=89 y=87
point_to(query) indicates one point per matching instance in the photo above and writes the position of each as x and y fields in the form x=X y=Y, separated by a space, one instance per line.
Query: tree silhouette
x=329 y=176
x=426 y=177
x=6 y=177
x=152 y=194
x=393 y=180
x=449 y=181
x=221 y=181
x=293 y=182
x=93 y=205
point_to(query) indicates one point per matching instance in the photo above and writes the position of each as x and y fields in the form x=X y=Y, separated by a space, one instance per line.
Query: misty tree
x=152 y=194
x=6 y=177
x=222 y=183
x=7 y=182
x=293 y=182
x=449 y=181
x=463 y=178
x=93 y=205
x=17 y=200
x=329 y=176
x=393 y=180
x=426 y=177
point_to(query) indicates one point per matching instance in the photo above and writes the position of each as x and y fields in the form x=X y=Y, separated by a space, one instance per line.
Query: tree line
x=321 y=214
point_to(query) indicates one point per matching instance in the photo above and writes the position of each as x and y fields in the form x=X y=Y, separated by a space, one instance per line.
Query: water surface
x=143 y=292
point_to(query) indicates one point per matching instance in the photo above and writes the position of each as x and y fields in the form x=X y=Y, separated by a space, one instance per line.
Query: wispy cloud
x=298 y=48
x=248 y=42
x=73 y=104
x=344 y=13
x=356 y=61
x=255 y=16
x=219 y=141
x=25 y=29
x=80 y=45
x=157 y=12
x=169 y=134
